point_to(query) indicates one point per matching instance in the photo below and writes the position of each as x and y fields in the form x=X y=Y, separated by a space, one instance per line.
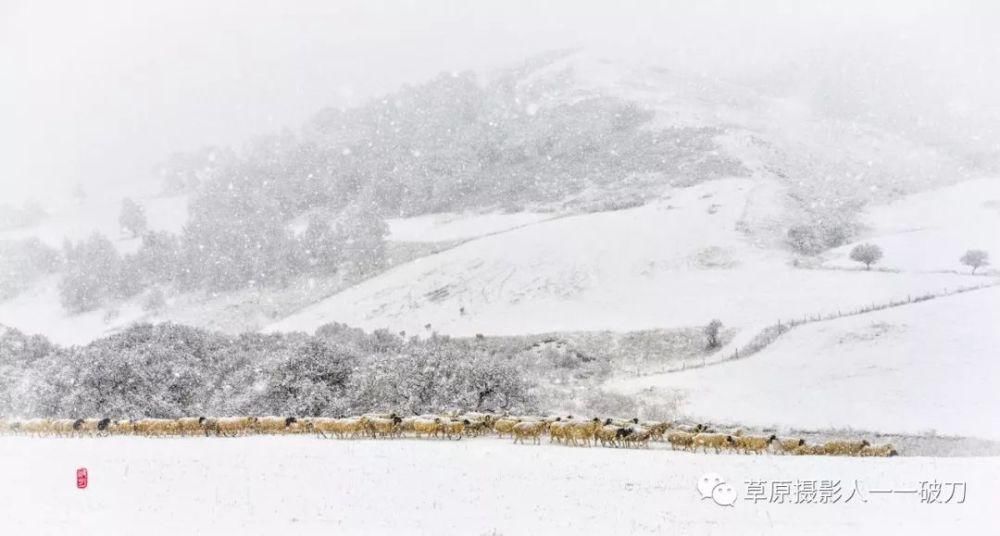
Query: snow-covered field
x=930 y=366
x=679 y=261
x=304 y=485
x=931 y=230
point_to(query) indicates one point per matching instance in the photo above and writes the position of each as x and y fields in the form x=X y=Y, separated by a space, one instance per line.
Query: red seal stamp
x=81 y=478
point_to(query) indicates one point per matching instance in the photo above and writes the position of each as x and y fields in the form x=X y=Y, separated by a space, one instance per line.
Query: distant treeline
x=169 y=370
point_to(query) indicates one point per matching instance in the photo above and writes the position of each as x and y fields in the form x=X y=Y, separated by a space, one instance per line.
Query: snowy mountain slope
x=38 y=310
x=931 y=230
x=709 y=261
x=677 y=262
x=771 y=130
x=443 y=227
x=910 y=369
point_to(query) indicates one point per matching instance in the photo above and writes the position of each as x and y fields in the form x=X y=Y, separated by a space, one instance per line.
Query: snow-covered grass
x=99 y=213
x=38 y=310
x=446 y=227
x=676 y=262
x=930 y=366
x=931 y=230
x=304 y=485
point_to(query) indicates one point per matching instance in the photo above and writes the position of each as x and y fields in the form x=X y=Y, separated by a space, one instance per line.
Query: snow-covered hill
x=930 y=366
x=930 y=231
x=693 y=253
x=450 y=227
x=680 y=261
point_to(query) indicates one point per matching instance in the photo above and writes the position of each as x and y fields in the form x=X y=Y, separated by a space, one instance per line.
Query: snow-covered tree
x=132 y=218
x=91 y=269
x=363 y=232
x=975 y=259
x=712 y=331
x=322 y=245
x=868 y=254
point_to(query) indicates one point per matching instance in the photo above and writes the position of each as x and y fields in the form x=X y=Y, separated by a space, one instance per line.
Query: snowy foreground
x=305 y=485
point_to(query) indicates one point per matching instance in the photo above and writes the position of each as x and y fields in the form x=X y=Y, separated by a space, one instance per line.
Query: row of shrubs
x=170 y=370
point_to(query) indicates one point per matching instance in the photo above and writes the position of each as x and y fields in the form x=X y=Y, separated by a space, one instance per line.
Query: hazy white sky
x=97 y=92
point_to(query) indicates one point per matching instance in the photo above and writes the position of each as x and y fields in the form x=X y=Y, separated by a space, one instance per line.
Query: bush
x=814 y=238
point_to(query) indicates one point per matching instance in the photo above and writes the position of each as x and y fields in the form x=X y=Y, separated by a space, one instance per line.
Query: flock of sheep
x=563 y=430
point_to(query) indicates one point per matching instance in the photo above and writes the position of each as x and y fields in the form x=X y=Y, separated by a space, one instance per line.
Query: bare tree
x=975 y=258
x=712 y=332
x=869 y=254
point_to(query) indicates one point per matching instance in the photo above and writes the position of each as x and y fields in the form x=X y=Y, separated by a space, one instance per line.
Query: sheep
x=789 y=445
x=753 y=444
x=429 y=427
x=583 y=431
x=275 y=425
x=529 y=429
x=608 y=434
x=155 y=427
x=64 y=427
x=60 y=427
x=37 y=427
x=476 y=417
x=624 y=422
x=682 y=440
x=656 y=429
x=477 y=428
x=844 y=448
x=348 y=426
x=455 y=427
x=234 y=426
x=560 y=430
x=808 y=450
x=10 y=427
x=696 y=429
x=881 y=451
x=382 y=426
x=90 y=426
x=505 y=426
x=634 y=435
x=714 y=441
x=322 y=425
x=123 y=427
x=191 y=426
x=104 y=425
x=299 y=425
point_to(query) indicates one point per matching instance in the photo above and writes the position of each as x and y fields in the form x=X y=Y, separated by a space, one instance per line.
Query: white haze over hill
x=97 y=93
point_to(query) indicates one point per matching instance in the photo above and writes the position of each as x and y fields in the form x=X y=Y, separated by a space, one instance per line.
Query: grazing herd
x=565 y=430
x=701 y=438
